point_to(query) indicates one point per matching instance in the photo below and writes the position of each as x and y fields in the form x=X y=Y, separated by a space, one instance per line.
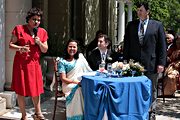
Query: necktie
x=141 y=33
x=142 y=28
x=103 y=57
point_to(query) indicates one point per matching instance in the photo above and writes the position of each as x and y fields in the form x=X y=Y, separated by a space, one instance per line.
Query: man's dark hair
x=99 y=32
x=106 y=39
x=33 y=12
x=145 y=4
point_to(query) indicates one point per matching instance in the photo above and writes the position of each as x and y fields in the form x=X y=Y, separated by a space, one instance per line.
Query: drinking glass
x=120 y=73
x=133 y=72
x=109 y=69
x=125 y=62
x=101 y=67
x=28 y=45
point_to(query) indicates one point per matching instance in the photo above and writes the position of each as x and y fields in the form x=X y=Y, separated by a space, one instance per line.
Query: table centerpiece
x=128 y=69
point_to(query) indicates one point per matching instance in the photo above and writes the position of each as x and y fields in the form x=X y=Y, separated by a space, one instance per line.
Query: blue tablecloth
x=127 y=98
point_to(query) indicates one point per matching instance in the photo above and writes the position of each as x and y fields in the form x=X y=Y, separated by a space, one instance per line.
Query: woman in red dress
x=28 y=41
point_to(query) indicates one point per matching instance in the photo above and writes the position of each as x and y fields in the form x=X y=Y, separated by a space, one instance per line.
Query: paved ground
x=170 y=110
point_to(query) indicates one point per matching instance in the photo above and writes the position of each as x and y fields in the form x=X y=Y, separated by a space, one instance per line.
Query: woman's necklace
x=30 y=31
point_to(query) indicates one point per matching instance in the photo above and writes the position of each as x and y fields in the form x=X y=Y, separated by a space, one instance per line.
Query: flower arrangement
x=128 y=69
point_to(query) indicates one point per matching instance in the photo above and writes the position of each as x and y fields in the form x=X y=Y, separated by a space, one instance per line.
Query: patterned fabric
x=141 y=33
x=66 y=66
x=74 y=98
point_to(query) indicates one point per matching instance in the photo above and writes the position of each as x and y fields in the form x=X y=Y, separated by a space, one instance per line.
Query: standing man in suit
x=145 y=42
x=101 y=54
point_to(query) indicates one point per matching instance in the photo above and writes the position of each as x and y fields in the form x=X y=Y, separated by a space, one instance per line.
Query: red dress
x=27 y=74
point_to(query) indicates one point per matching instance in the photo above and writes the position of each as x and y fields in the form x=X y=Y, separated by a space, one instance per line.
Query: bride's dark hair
x=66 y=55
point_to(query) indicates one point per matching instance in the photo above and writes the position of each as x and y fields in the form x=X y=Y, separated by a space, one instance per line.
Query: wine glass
x=109 y=69
x=120 y=73
x=27 y=45
x=125 y=62
x=133 y=72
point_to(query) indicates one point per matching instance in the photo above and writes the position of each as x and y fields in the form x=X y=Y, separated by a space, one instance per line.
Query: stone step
x=10 y=97
x=2 y=106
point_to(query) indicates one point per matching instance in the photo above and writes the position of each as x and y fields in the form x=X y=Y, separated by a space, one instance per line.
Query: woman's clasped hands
x=25 y=48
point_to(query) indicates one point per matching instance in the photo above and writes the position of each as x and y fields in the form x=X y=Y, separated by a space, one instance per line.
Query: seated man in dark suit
x=102 y=53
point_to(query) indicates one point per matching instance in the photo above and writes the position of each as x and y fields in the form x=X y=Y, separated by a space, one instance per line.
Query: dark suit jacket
x=92 y=45
x=94 y=59
x=153 y=50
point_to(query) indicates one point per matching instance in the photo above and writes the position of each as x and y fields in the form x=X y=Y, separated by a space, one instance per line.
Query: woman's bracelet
x=21 y=49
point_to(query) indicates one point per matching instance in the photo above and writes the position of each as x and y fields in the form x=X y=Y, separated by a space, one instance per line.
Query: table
x=127 y=98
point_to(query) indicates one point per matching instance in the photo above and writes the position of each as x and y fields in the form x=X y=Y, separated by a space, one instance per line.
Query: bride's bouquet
x=128 y=69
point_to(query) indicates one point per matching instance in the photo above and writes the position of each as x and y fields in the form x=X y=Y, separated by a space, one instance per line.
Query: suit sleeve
x=89 y=60
x=126 y=44
x=161 y=46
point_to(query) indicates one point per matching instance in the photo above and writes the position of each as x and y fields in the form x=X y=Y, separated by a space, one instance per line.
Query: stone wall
x=2 y=45
x=15 y=11
x=99 y=14
x=58 y=26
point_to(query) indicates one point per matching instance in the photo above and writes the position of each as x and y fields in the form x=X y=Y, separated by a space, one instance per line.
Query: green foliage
x=166 y=11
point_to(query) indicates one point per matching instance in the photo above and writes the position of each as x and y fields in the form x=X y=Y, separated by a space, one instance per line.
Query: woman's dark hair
x=66 y=55
x=33 y=12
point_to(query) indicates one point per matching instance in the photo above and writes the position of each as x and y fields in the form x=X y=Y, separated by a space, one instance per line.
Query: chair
x=166 y=88
x=58 y=84
x=160 y=87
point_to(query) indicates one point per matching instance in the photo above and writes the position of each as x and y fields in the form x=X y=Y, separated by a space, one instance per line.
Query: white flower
x=128 y=68
x=125 y=67
x=115 y=65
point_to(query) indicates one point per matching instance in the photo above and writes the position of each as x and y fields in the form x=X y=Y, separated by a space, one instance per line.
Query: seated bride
x=71 y=67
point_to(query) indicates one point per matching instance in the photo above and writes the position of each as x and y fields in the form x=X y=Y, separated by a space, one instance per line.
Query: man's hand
x=160 y=69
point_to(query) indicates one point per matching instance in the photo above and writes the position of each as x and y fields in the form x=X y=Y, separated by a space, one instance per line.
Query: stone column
x=129 y=3
x=112 y=21
x=16 y=11
x=2 y=45
x=121 y=23
x=91 y=19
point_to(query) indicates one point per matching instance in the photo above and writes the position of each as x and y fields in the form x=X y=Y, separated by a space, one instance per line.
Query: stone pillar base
x=2 y=106
x=10 y=98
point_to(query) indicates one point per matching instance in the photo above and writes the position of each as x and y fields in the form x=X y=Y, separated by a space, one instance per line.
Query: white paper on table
x=90 y=73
